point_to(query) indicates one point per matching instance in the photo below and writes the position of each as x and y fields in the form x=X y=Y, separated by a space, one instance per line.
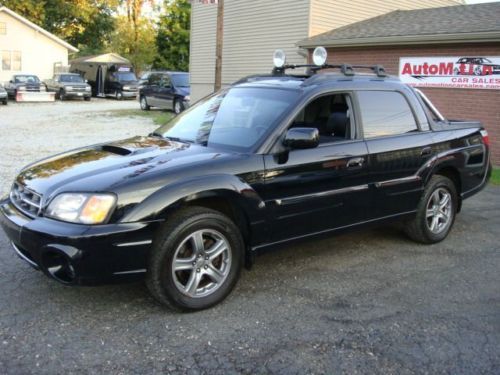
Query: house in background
x=254 y=29
x=26 y=47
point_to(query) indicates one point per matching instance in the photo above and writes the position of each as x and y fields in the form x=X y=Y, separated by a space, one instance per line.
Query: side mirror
x=11 y=81
x=302 y=138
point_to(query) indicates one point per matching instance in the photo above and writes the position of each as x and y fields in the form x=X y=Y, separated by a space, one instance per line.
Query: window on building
x=3 y=28
x=5 y=60
x=16 y=60
x=385 y=113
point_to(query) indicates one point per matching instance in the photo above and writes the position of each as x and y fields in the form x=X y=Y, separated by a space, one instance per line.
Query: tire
x=144 y=104
x=62 y=96
x=178 y=108
x=176 y=240
x=119 y=95
x=4 y=102
x=434 y=218
x=87 y=98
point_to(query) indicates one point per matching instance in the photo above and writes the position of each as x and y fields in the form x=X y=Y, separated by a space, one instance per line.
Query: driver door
x=320 y=189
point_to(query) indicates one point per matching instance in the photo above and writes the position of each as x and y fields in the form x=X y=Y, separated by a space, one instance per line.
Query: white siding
x=38 y=52
x=254 y=29
x=331 y=14
x=202 y=49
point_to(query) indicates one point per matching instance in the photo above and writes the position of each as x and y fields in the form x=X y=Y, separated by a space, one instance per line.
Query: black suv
x=269 y=160
x=166 y=90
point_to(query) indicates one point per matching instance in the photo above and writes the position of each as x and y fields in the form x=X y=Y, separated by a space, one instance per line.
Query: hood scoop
x=116 y=150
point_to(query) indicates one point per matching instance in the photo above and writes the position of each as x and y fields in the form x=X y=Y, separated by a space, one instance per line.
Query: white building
x=26 y=47
x=254 y=29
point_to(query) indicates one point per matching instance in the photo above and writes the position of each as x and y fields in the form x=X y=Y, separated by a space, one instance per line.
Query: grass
x=158 y=117
x=495 y=176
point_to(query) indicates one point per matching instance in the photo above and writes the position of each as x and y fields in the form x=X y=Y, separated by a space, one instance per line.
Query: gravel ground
x=31 y=131
x=366 y=302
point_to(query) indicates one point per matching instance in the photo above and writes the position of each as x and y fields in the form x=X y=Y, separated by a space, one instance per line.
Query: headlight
x=87 y=88
x=68 y=88
x=126 y=87
x=81 y=208
x=43 y=88
x=21 y=88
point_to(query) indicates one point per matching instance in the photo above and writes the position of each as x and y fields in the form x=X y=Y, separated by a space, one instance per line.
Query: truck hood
x=138 y=163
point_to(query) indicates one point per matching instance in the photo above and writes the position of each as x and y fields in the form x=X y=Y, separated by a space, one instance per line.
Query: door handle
x=355 y=163
x=426 y=151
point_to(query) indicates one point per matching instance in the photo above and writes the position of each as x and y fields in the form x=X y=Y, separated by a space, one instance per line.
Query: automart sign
x=465 y=72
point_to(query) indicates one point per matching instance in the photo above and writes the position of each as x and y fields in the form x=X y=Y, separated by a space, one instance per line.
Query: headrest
x=337 y=124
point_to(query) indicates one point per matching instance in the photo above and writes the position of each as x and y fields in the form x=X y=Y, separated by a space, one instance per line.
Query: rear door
x=399 y=145
x=150 y=89
x=165 y=94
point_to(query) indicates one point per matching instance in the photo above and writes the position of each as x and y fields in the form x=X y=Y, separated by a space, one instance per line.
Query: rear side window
x=385 y=113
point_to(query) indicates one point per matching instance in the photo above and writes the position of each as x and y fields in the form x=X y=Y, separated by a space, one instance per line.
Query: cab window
x=330 y=114
x=385 y=113
x=164 y=81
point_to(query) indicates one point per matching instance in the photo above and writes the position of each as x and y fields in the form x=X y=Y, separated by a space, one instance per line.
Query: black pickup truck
x=267 y=161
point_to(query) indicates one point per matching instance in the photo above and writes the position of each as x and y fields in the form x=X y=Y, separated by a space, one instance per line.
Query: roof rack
x=345 y=69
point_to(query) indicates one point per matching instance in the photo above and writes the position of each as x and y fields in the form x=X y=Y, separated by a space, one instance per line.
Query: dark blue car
x=166 y=90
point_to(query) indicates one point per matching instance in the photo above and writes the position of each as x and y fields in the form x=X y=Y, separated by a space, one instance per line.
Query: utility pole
x=218 y=45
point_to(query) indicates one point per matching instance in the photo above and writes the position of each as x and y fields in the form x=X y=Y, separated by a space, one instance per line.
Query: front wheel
x=62 y=95
x=436 y=211
x=196 y=259
x=119 y=95
x=4 y=102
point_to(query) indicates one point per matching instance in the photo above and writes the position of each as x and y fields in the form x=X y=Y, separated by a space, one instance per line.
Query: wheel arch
x=453 y=174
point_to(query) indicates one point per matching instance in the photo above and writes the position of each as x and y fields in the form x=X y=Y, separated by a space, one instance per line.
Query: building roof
x=38 y=28
x=453 y=24
x=107 y=58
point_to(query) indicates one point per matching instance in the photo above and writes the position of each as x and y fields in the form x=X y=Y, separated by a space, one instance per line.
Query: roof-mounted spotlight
x=319 y=56
x=279 y=58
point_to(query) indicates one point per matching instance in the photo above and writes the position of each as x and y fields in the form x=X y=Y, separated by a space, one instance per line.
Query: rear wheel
x=177 y=106
x=196 y=259
x=144 y=104
x=436 y=211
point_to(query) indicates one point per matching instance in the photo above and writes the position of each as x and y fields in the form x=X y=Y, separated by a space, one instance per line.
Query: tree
x=136 y=44
x=31 y=9
x=172 y=40
x=85 y=24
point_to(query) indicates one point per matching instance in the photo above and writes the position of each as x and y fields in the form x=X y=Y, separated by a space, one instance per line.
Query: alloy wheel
x=201 y=263
x=439 y=211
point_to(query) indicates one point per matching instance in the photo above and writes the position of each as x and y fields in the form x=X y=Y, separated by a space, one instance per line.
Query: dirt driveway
x=31 y=131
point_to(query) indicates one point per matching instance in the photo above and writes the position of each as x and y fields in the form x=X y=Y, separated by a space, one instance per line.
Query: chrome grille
x=26 y=199
x=78 y=89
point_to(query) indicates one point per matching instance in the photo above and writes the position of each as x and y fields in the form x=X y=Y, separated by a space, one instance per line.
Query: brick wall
x=466 y=104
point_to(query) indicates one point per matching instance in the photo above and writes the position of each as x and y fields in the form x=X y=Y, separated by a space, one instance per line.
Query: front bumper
x=78 y=94
x=79 y=254
x=130 y=94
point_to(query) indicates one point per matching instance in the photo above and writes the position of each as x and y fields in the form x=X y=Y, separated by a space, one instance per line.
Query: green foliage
x=136 y=43
x=495 y=176
x=172 y=40
x=85 y=24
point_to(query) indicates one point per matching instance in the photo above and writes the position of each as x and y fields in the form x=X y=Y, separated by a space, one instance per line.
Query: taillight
x=486 y=139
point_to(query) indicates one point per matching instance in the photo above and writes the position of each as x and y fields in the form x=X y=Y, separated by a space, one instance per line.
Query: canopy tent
x=94 y=69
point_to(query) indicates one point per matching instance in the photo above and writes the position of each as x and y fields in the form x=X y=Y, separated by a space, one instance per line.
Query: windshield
x=180 y=80
x=26 y=79
x=125 y=76
x=71 y=78
x=238 y=118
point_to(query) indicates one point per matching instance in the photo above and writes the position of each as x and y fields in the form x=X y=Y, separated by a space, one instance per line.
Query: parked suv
x=24 y=83
x=166 y=90
x=3 y=95
x=69 y=85
x=265 y=162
